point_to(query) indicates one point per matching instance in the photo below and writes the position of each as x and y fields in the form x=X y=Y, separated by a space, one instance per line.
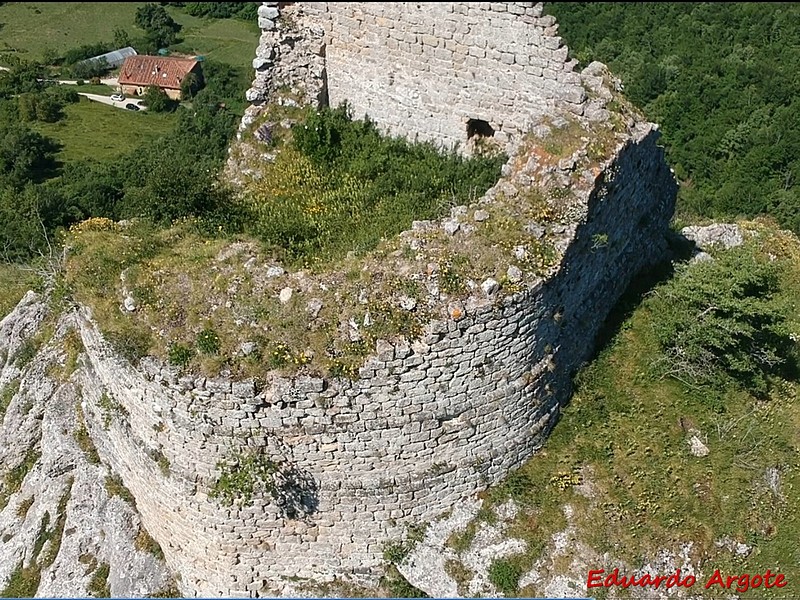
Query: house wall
x=137 y=90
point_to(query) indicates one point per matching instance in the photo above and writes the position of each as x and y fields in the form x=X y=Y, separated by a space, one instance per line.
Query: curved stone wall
x=427 y=422
x=424 y=425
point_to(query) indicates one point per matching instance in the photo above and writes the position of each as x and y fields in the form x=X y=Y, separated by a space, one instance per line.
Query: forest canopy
x=722 y=81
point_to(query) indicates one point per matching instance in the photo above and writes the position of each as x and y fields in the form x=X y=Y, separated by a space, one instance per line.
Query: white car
x=117 y=97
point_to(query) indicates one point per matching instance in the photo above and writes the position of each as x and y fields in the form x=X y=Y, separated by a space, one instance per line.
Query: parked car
x=117 y=97
x=131 y=106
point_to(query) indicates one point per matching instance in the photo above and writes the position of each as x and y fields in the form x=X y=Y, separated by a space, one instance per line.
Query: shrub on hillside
x=157 y=100
x=726 y=320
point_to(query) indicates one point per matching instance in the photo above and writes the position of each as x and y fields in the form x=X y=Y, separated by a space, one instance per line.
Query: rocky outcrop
x=66 y=524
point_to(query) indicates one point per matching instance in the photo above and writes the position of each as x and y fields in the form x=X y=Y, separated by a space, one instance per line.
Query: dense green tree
x=22 y=77
x=161 y=28
x=247 y=11
x=89 y=69
x=157 y=100
x=721 y=79
x=121 y=38
x=81 y=53
x=725 y=320
x=25 y=155
x=190 y=85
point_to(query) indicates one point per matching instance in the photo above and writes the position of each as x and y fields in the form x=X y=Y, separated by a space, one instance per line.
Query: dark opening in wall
x=480 y=128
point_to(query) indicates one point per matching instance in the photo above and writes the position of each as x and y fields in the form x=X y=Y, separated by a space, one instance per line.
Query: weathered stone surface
x=363 y=449
x=388 y=61
x=42 y=420
x=718 y=234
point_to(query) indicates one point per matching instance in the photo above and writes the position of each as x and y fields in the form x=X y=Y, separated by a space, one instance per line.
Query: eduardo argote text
x=740 y=583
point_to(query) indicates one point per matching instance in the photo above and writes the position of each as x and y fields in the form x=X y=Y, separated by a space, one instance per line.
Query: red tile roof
x=160 y=71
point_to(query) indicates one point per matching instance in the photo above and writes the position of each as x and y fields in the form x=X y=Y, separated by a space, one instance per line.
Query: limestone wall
x=427 y=422
x=422 y=70
x=424 y=425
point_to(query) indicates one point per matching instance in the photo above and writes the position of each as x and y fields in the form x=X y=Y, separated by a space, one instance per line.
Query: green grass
x=12 y=482
x=84 y=440
x=88 y=88
x=229 y=41
x=115 y=487
x=32 y=28
x=98 y=586
x=24 y=581
x=98 y=132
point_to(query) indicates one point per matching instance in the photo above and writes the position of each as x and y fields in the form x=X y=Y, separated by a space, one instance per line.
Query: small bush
x=179 y=355
x=505 y=575
x=23 y=582
x=516 y=485
x=157 y=100
x=130 y=342
x=208 y=341
x=110 y=409
x=248 y=474
x=163 y=463
x=396 y=552
x=25 y=353
x=726 y=320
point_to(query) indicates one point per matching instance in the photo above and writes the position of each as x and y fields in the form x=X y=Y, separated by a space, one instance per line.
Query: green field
x=105 y=90
x=30 y=29
x=94 y=131
x=229 y=41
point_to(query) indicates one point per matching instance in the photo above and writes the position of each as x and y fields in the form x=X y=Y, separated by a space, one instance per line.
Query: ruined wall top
x=441 y=72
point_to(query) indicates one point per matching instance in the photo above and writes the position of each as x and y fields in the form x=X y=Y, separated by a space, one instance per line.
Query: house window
x=480 y=128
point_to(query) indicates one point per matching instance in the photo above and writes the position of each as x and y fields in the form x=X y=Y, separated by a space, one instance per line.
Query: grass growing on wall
x=339 y=186
x=335 y=193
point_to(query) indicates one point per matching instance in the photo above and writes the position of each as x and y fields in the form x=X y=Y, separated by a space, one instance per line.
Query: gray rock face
x=718 y=234
x=64 y=484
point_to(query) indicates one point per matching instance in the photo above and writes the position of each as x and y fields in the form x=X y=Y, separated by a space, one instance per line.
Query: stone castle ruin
x=434 y=71
x=428 y=421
